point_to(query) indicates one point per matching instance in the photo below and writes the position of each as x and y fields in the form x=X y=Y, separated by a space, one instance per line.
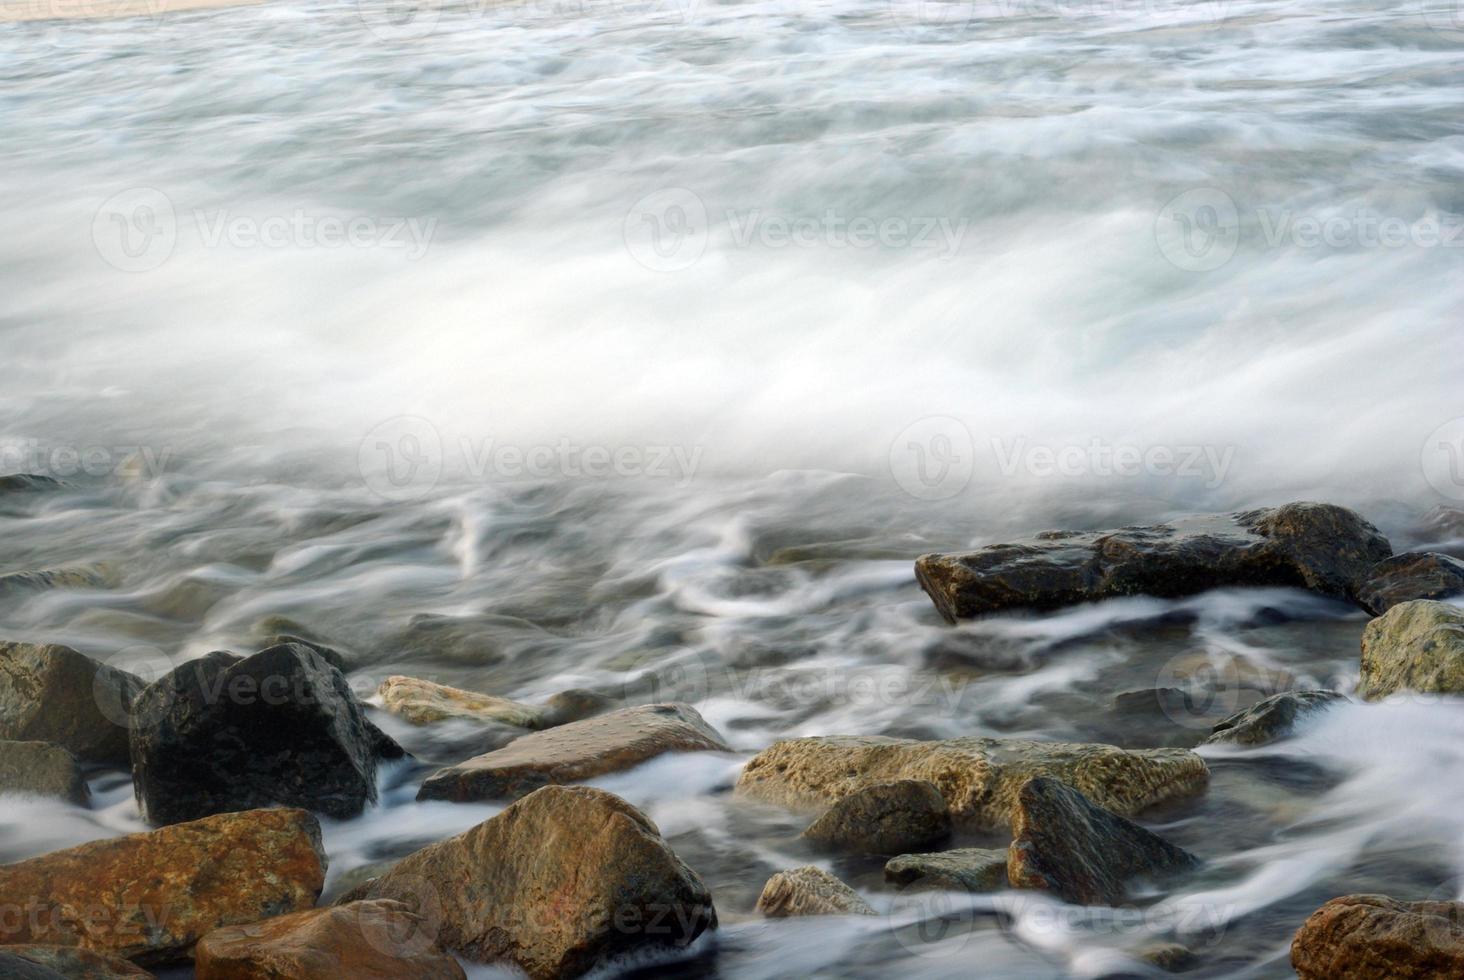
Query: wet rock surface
x=973 y=869
x=556 y=884
x=41 y=769
x=978 y=777
x=575 y=752
x=373 y=940
x=887 y=818
x=150 y=897
x=1363 y=937
x=72 y=962
x=282 y=727
x=1321 y=547
x=1082 y=853
x=1415 y=575
x=809 y=891
x=52 y=693
x=1415 y=646
x=423 y=702
x=1272 y=719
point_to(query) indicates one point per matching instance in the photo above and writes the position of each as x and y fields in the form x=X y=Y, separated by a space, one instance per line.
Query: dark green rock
x=887 y=818
x=1273 y=718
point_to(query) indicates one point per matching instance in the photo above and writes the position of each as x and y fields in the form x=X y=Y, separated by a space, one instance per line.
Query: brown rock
x=1416 y=575
x=1321 y=547
x=378 y=940
x=1415 y=646
x=556 y=883
x=973 y=869
x=423 y=703
x=575 y=752
x=1272 y=718
x=809 y=891
x=149 y=897
x=887 y=818
x=41 y=769
x=1364 y=937
x=978 y=777
x=54 y=694
x=74 y=963
x=1080 y=852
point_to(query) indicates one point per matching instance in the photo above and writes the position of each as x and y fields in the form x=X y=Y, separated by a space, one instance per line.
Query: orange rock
x=377 y=940
x=150 y=897
x=1363 y=937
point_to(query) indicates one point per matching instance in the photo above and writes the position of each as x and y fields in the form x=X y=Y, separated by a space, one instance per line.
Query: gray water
x=647 y=345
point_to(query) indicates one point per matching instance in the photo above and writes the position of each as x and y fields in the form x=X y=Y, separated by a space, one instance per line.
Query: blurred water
x=615 y=387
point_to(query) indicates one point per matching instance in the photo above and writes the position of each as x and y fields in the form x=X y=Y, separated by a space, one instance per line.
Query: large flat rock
x=149 y=897
x=1321 y=547
x=1365 y=937
x=575 y=752
x=979 y=777
x=555 y=884
x=1414 y=646
x=422 y=702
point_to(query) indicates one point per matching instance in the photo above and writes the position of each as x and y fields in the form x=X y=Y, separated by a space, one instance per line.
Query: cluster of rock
x=233 y=757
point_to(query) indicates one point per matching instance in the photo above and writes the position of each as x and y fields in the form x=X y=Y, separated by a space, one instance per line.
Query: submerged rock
x=575 y=752
x=558 y=882
x=41 y=769
x=1082 y=853
x=809 y=891
x=77 y=577
x=978 y=777
x=1415 y=646
x=1416 y=575
x=71 y=962
x=280 y=727
x=1321 y=547
x=51 y=693
x=149 y=897
x=972 y=869
x=424 y=702
x=1273 y=718
x=28 y=482
x=374 y=940
x=886 y=818
x=1363 y=937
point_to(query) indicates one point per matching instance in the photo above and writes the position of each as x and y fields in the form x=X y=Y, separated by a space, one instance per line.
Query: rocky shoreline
x=235 y=759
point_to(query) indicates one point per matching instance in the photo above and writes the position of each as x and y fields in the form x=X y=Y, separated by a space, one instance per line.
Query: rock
x=809 y=891
x=1321 y=547
x=972 y=869
x=1415 y=646
x=423 y=702
x=886 y=818
x=1080 y=852
x=28 y=482
x=377 y=940
x=1416 y=575
x=41 y=769
x=557 y=883
x=149 y=897
x=1169 y=957
x=1273 y=718
x=73 y=963
x=979 y=777
x=1363 y=937
x=78 y=577
x=15 y=968
x=51 y=693
x=574 y=752
x=281 y=727
x=330 y=655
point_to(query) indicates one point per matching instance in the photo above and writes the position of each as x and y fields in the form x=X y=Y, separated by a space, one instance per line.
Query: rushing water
x=646 y=346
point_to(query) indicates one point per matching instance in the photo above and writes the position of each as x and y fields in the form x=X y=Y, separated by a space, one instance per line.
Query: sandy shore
x=12 y=11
